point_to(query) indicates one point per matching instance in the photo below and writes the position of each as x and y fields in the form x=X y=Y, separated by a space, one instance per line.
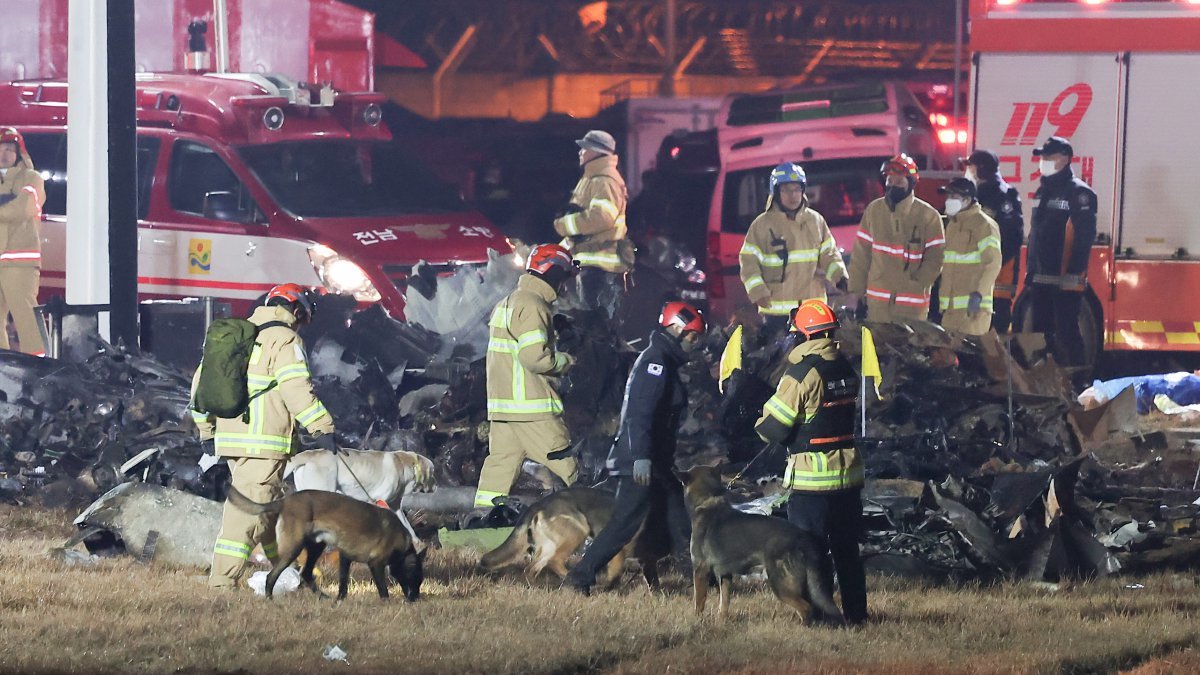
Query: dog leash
x=378 y=502
x=738 y=475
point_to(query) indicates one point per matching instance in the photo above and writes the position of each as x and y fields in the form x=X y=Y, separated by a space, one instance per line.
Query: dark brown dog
x=726 y=542
x=310 y=520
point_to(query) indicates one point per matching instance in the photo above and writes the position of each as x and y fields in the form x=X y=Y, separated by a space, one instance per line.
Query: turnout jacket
x=22 y=193
x=1062 y=231
x=812 y=414
x=280 y=387
x=520 y=356
x=654 y=402
x=594 y=230
x=1002 y=202
x=971 y=260
x=789 y=260
x=897 y=256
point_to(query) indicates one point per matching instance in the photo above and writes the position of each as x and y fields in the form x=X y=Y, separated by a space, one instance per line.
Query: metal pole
x=221 y=35
x=958 y=45
x=668 y=87
x=209 y=312
x=862 y=395
x=122 y=175
x=1012 y=423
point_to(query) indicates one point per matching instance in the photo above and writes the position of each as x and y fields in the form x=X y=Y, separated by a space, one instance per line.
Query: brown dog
x=554 y=527
x=726 y=542
x=310 y=520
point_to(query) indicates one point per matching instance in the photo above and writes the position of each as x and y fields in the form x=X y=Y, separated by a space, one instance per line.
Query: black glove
x=209 y=447
x=860 y=312
x=571 y=208
x=567 y=339
x=327 y=442
x=842 y=285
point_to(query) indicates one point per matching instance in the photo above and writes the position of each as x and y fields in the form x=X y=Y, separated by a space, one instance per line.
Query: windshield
x=346 y=178
x=838 y=189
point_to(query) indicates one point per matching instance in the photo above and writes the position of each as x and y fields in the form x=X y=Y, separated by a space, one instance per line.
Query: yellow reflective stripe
x=754 y=282
x=779 y=307
x=781 y=411
x=312 y=413
x=253 y=442
x=751 y=249
x=989 y=242
x=501 y=317
x=803 y=255
x=963 y=302
x=255 y=354
x=828 y=245
x=824 y=478
x=569 y=225
x=597 y=258
x=530 y=406
x=233 y=549
x=271 y=550
x=292 y=371
x=954 y=258
x=606 y=206
x=835 y=265
x=199 y=417
x=530 y=338
x=485 y=497
x=502 y=345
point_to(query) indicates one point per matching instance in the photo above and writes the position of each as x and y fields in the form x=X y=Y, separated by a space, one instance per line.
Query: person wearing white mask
x=971 y=262
x=1002 y=202
x=1062 y=230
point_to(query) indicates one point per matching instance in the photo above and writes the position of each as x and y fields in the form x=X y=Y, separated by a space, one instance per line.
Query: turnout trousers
x=835 y=519
x=510 y=443
x=18 y=296
x=260 y=479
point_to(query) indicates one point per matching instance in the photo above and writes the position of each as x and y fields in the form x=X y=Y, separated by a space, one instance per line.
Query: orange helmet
x=683 y=315
x=545 y=257
x=812 y=317
x=11 y=135
x=304 y=299
x=900 y=165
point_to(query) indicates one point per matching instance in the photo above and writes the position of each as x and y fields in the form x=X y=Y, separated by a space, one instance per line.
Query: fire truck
x=1117 y=80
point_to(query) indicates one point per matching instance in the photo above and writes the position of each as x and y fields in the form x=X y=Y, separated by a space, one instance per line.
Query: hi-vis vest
x=280 y=387
x=520 y=356
x=825 y=392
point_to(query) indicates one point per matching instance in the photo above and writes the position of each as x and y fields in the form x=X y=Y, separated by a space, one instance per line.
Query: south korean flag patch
x=655 y=369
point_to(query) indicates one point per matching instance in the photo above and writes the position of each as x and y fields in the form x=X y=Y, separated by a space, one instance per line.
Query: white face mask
x=1047 y=167
x=969 y=174
x=953 y=206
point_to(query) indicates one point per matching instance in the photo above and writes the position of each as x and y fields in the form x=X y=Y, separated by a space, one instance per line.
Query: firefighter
x=812 y=414
x=258 y=444
x=970 y=263
x=1063 y=228
x=593 y=225
x=898 y=253
x=789 y=252
x=1002 y=202
x=643 y=454
x=22 y=193
x=523 y=407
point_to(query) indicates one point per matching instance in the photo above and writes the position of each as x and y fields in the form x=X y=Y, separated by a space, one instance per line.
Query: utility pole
x=958 y=45
x=668 y=82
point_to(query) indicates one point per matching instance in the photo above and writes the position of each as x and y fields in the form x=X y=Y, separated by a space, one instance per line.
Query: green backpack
x=222 y=390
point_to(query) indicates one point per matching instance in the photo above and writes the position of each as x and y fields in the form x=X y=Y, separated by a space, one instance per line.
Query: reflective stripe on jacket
x=789 y=260
x=594 y=230
x=813 y=407
x=897 y=256
x=22 y=194
x=280 y=386
x=971 y=261
x=521 y=357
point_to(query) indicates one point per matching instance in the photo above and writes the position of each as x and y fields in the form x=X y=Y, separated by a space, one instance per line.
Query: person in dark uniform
x=1002 y=202
x=812 y=414
x=1060 y=244
x=643 y=455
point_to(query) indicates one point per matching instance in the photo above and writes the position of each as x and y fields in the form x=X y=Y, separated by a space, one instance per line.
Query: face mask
x=1046 y=166
x=969 y=174
x=895 y=194
x=953 y=206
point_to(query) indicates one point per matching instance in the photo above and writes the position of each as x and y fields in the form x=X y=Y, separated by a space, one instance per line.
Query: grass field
x=120 y=616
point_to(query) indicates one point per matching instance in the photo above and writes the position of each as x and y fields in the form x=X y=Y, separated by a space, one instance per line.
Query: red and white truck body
x=1117 y=79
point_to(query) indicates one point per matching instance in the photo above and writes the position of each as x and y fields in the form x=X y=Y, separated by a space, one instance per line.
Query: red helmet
x=304 y=299
x=683 y=315
x=900 y=165
x=812 y=317
x=545 y=257
x=11 y=135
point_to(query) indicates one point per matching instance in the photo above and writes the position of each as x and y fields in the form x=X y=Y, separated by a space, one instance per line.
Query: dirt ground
x=115 y=615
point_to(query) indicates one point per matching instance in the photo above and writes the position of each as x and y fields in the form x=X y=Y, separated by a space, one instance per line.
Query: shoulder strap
x=273 y=324
x=799 y=370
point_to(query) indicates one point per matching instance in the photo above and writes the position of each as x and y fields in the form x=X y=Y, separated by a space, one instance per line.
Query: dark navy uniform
x=1002 y=202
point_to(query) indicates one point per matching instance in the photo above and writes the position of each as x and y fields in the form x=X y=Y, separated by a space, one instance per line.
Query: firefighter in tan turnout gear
x=971 y=262
x=22 y=193
x=789 y=252
x=259 y=442
x=593 y=225
x=898 y=253
x=523 y=406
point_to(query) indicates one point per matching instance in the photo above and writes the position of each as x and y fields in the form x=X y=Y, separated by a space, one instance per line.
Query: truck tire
x=1091 y=323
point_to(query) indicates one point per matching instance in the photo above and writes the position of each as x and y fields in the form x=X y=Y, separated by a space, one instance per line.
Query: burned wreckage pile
x=958 y=486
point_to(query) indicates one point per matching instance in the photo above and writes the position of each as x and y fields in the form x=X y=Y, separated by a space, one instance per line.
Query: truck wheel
x=1090 y=326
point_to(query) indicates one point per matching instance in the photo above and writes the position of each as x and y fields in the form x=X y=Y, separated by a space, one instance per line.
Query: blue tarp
x=1183 y=389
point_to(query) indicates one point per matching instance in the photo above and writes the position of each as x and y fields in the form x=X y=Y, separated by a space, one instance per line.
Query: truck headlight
x=340 y=275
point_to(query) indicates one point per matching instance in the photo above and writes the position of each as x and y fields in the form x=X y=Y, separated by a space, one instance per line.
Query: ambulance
x=1117 y=79
x=245 y=181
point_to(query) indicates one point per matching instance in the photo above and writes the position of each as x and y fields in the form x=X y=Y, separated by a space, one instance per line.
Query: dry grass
x=117 y=615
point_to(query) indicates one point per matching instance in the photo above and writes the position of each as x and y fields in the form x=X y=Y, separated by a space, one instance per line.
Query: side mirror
x=223 y=206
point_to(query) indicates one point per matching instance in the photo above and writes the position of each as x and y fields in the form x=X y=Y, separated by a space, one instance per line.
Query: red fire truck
x=1117 y=80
